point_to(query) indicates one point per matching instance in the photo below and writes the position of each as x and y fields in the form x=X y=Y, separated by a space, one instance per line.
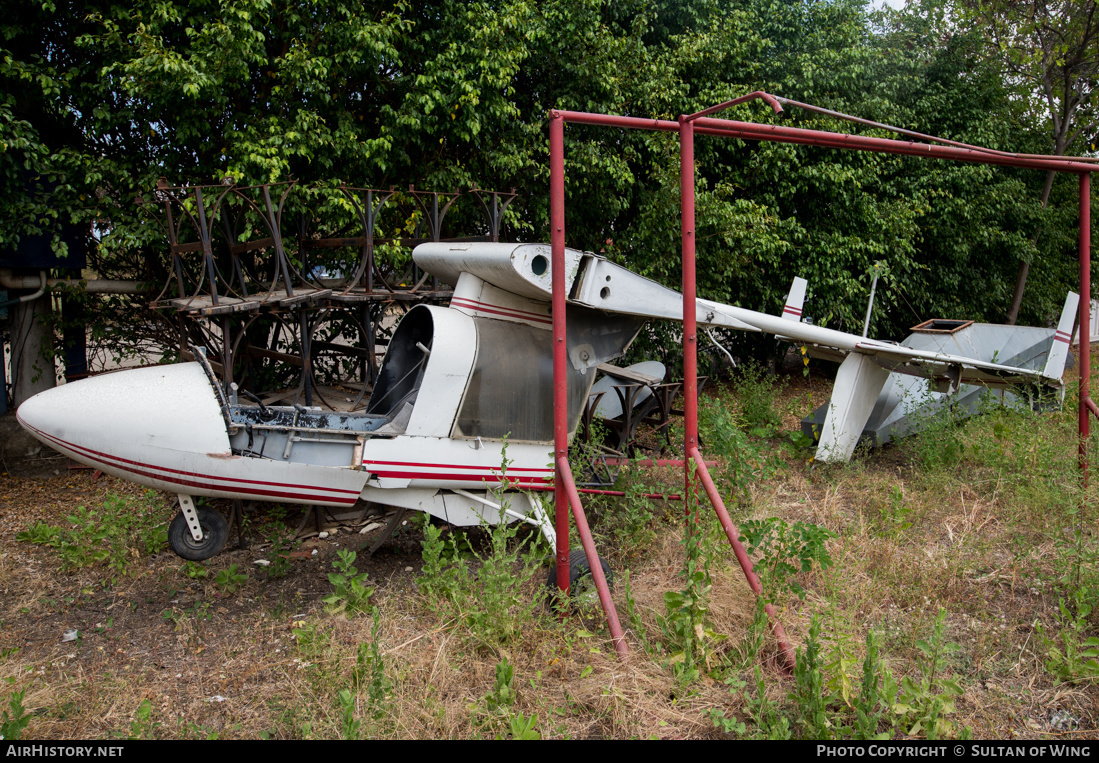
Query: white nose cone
x=153 y=425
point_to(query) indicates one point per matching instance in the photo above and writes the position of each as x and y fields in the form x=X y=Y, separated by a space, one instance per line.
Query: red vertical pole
x=690 y=329
x=564 y=473
x=1085 y=320
x=560 y=357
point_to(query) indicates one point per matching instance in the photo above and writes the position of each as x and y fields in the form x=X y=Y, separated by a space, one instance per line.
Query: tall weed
x=744 y=462
x=924 y=702
x=684 y=623
x=785 y=549
x=756 y=391
x=14 y=719
x=350 y=592
x=369 y=673
x=1071 y=655
x=490 y=591
x=116 y=535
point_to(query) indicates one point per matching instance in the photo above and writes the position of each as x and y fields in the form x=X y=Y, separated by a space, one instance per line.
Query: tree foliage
x=1050 y=49
x=100 y=99
x=1048 y=53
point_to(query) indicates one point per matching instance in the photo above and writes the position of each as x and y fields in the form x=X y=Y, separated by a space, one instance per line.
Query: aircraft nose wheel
x=215 y=531
x=581 y=582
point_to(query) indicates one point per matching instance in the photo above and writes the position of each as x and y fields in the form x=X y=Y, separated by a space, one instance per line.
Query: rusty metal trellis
x=290 y=274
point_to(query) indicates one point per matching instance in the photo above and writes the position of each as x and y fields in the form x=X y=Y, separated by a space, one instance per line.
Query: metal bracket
x=187 y=508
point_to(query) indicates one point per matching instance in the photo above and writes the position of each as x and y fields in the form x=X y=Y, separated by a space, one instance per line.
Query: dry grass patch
x=953 y=552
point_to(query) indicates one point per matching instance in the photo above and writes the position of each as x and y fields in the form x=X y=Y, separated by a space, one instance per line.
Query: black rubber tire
x=215 y=531
x=579 y=571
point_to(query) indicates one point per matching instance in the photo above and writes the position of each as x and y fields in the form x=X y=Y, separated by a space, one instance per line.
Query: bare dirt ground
x=180 y=641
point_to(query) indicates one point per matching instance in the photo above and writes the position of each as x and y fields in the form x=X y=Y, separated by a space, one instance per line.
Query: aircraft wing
x=606 y=286
x=924 y=363
x=835 y=345
x=592 y=281
x=596 y=282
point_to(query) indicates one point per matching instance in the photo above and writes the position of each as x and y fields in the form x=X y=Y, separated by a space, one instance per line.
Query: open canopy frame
x=687 y=126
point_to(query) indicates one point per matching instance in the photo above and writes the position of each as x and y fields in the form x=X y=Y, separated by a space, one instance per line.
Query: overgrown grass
x=943 y=586
x=116 y=534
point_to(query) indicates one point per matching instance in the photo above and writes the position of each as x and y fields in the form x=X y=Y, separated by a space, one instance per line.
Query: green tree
x=102 y=99
x=1049 y=51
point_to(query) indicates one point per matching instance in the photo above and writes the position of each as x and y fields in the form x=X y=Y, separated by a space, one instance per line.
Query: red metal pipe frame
x=1086 y=403
x=776 y=102
x=650 y=462
x=565 y=472
x=565 y=494
x=560 y=356
x=770 y=100
x=742 y=557
x=687 y=126
x=779 y=134
x=691 y=453
x=619 y=493
x=690 y=307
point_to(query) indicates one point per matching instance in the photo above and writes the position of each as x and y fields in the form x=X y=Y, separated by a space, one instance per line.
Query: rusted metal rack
x=294 y=288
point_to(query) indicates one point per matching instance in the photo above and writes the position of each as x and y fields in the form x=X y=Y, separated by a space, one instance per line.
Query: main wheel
x=581 y=582
x=215 y=531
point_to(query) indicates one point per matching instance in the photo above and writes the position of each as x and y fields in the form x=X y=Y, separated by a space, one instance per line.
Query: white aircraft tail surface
x=858 y=384
x=792 y=310
x=1058 y=353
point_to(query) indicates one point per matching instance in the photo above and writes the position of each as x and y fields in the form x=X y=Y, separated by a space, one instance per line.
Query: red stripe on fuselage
x=416 y=471
x=240 y=486
x=458 y=466
x=508 y=312
x=443 y=477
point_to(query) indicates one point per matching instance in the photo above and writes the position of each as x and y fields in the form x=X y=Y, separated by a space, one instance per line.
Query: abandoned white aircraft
x=906 y=404
x=456 y=386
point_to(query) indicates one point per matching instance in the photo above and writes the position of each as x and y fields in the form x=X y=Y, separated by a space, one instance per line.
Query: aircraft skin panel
x=941 y=365
x=162 y=427
x=606 y=286
x=418 y=499
x=890 y=355
x=157 y=406
x=479 y=299
x=217 y=475
x=611 y=287
x=1055 y=365
x=462 y=464
x=457 y=510
x=791 y=311
x=825 y=353
x=461 y=511
x=523 y=269
x=906 y=401
x=454 y=350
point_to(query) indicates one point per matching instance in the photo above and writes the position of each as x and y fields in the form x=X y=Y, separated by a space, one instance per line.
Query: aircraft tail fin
x=792 y=310
x=1058 y=353
x=859 y=381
